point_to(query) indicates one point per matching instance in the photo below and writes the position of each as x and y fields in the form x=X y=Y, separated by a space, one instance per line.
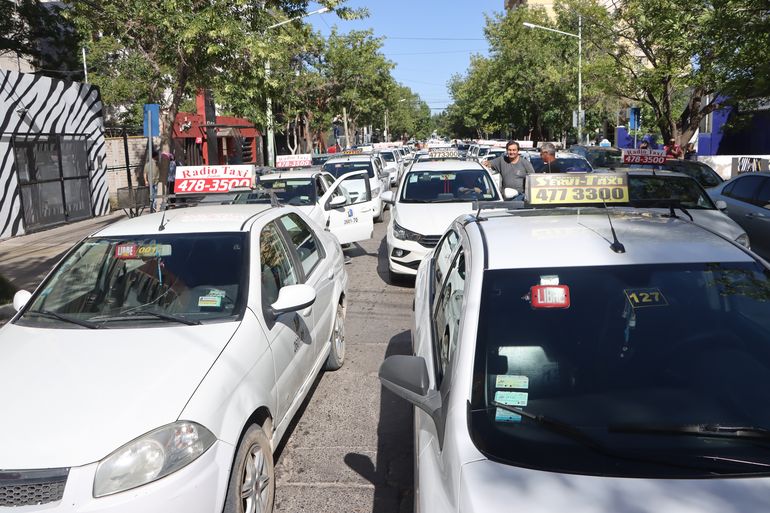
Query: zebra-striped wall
x=31 y=105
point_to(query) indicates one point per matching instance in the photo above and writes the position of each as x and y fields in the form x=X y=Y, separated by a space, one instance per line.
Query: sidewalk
x=25 y=260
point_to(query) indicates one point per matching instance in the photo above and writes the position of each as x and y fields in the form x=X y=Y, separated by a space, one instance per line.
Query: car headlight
x=402 y=233
x=743 y=240
x=151 y=457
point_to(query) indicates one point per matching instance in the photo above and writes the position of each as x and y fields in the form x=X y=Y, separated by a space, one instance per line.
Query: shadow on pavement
x=28 y=274
x=382 y=268
x=393 y=473
x=297 y=417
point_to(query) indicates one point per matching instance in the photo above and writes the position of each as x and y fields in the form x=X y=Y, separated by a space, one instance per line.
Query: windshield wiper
x=136 y=314
x=65 y=318
x=702 y=430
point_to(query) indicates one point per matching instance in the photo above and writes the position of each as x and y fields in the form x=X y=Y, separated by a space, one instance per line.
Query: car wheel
x=337 y=352
x=252 y=478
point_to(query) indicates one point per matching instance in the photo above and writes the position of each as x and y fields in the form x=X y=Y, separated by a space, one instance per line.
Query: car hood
x=714 y=220
x=72 y=396
x=489 y=486
x=429 y=218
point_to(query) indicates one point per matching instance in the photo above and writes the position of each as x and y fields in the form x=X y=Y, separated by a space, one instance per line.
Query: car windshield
x=705 y=176
x=111 y=281
x=604 y=158
x=658 y=191
x=483 y=151
x=564 y=164
x=292 y=191
x=639 y=355
x=447 y=186
x=317 y=160
x=340 y=168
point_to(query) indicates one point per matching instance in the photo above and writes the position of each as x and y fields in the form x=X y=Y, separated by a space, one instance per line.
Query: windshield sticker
x=502 y=415
x=153 y=250
x=506 y=381
x=209 y=302
x=126 y=251
x=640 y=298
x=512 y=398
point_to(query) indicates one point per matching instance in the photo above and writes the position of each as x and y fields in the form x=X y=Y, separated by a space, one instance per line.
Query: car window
x=356 y=189
x=329 y=180
x=443 y=257
x=388 y=156
x=450 y=186
x=658 y=191
x=304 y=241
x=634 y=344
x=118 y=280
x=744 y=188
x=447 y=314
x=763 y=196
x=292 y=191
x=276 y=267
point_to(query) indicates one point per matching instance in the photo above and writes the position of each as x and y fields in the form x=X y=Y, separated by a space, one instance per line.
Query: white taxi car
x=572 y=366
x=428 y=198
x=378 y=178
x=159 y=364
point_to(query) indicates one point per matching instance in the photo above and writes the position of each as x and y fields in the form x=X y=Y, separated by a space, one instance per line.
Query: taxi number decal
x=512 y=398
x=350 y=220
x=557 y=189
x=508 y=381
x=640 y=298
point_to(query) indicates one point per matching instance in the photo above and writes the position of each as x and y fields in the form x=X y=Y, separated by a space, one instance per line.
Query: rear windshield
x=340 y=168
x=447 y=186
x=658 y=192
x=642 y=357
x=565 y=165
x=292 y=191
x=113 y=281
x=705 y=176
x=604 y=158
x=388 y=156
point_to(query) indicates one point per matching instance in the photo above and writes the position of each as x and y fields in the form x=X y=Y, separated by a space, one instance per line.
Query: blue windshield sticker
x=506 y=381
x=502 y=415
x=512 y=398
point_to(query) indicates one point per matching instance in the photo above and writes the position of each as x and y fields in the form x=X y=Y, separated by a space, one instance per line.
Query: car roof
x=354 y=157
x=200 y=219
x=445 y=165
x=297 y=173
x=634 y=171
x=572 y=237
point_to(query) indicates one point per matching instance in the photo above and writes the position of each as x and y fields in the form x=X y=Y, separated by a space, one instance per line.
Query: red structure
x=205 y=138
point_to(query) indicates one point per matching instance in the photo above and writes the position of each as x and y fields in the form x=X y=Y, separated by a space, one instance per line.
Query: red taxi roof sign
x=549 y=296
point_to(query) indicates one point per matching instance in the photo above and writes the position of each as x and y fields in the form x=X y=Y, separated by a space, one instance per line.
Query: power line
x=436 y=53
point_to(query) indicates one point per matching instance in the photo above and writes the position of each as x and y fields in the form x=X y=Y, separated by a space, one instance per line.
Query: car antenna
x=616 y=245
x=163 y=218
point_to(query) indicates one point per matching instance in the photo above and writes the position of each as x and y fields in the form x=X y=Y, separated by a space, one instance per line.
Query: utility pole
x=85 y=68
x=385 y=134
x=345 y=122
x=269 y=115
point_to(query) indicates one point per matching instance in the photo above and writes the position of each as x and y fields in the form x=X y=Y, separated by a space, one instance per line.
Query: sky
x=428 y=40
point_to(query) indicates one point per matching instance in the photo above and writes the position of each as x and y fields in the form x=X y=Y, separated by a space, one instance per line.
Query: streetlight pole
x=269 y=102
x=579 y=37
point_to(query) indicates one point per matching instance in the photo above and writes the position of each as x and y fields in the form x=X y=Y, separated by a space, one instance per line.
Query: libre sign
x=644 y=156
x=207 y=179
x=299 y=160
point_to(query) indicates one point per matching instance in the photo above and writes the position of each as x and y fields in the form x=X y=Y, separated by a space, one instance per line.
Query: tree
x=683 y=63
x=186 y=44
x=31 y=29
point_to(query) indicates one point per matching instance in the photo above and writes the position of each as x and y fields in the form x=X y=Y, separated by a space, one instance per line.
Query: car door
x=759 y=220
x=353 y=221
x=288 y=332
x=739 y=196
x=317 y=272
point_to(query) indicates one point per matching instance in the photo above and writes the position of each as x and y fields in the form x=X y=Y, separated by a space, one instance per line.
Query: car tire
x=337 y=352
x=252 y=478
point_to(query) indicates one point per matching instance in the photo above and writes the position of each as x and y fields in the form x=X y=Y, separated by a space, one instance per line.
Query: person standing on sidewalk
x=171 y=176
x=512 y=167
x=152 y=168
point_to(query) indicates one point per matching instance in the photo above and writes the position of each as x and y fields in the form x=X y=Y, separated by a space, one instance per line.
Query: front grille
x=32 y=487
x=430 y=241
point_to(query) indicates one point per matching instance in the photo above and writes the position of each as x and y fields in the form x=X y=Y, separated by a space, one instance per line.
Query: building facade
x=52 y=153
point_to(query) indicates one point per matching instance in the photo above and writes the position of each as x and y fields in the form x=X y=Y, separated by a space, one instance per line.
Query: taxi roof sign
x=569 y=189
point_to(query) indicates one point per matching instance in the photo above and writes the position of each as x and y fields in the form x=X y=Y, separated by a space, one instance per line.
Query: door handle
x=365 y=210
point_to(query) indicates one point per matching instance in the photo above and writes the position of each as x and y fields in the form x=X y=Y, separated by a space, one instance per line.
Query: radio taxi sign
x=643 y=156
x=208 y=179
x=299 y=160
x=571 y=188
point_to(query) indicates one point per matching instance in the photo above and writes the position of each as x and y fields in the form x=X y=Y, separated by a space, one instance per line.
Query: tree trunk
x=168 y=116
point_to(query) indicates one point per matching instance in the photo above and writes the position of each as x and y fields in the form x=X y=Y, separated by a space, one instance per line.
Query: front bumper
x=199 y=487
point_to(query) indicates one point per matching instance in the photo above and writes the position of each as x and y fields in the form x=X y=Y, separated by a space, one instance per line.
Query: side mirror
x=407 y=377
x=509 y=193
x=20 y=299
x=721 y=205
x=388 y=198
x=336 y=202
x=292 y=298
